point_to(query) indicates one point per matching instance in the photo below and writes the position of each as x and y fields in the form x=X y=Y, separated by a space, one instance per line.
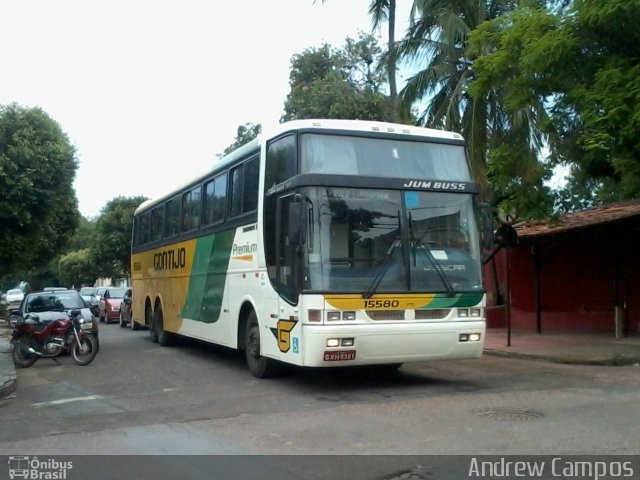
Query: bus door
x=288 y=275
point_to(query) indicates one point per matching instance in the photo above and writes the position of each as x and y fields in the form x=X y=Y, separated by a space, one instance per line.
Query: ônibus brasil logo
x=37 y=469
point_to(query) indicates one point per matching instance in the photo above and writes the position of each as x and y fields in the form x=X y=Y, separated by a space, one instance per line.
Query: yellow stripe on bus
x=379 y=302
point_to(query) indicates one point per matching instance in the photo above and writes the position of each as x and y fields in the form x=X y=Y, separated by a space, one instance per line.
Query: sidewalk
x=565 y=347
x=8 y=379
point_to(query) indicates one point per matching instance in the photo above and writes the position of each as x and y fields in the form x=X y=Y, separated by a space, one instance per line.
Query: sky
x=149 y=91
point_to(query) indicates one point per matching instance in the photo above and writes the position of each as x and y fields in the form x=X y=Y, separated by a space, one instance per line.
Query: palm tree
x=380 y=11
x=436 y=41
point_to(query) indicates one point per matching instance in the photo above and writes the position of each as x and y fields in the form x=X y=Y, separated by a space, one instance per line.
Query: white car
x=14 y=297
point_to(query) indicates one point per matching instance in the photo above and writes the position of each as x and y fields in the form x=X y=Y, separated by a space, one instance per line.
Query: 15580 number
x=381 y=303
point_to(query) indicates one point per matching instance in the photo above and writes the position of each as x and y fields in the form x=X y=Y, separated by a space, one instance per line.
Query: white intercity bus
x=321 y=243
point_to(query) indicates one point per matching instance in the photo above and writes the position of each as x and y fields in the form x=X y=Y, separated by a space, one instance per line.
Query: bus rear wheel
x=259 y=366
x=164 y=337
x=150 y=321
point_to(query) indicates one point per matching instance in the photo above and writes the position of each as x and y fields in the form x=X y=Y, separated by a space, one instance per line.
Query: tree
x=504 y=143
x=38 y=207
x=112 y=244
x=83 y=236
x=583 y=63
x=76 y=268
x=338 y=83
x=381 y=11
x=244 y=135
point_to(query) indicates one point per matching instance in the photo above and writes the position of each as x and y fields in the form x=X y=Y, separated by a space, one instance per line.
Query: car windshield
x=116 y=292
x=87 y=290
x=14 y=292
x=59 y=301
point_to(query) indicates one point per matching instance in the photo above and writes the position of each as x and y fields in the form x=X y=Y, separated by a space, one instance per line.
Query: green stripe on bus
x=441 y=300
x=208 y=276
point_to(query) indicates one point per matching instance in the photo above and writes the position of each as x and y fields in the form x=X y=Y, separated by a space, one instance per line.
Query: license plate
x=339 y=355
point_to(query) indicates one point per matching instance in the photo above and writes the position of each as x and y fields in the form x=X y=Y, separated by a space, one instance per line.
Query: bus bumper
x=391 y=343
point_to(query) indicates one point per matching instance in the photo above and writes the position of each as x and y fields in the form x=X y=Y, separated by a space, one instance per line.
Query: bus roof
x=363 y=126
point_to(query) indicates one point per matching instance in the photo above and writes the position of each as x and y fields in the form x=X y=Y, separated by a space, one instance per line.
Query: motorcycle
x=33 y=340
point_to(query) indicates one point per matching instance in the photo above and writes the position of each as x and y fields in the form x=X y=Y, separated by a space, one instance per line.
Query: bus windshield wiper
x=384 y=266
x=426 y=253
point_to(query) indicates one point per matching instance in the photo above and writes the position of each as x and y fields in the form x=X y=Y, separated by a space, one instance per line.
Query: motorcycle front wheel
x=22 y=358
x=84 y=350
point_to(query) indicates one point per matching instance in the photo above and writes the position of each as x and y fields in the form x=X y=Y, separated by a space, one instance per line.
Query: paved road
x=193 y=398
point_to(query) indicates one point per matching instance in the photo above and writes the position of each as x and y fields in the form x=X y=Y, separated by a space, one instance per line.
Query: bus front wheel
x=259 y=366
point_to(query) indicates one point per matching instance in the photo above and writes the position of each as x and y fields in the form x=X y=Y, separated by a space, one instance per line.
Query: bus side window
x=157 y=223
x=191 y=209
x=244 y=187
x=144 y=228
x=172 y=217
x=215 y=195
x=281 y=161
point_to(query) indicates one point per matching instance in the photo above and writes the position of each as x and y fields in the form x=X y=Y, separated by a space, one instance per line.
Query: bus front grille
x=433 y=314
x=386 y=314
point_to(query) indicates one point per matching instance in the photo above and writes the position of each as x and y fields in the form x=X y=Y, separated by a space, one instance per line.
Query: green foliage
x=82 y=238
x=438 y=41
x=244 y=135
x=76 y=268
x=338 y=83
x=38 y=207
x=583 y=63
x=111 y=249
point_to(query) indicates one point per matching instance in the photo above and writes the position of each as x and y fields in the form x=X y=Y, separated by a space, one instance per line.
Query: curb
x=616 y=360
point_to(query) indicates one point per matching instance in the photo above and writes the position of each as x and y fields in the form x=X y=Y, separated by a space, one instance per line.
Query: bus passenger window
x=172 y=217
x=191 y=209
x=244 y=187
x=157 y=223
x=215 y=195
x=144 y=229
x=251 y=180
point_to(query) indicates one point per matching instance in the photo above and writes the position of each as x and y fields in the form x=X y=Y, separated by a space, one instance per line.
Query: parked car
x=54 y=289
x=126 y=313
x=89 y=295
x=99 y=292
x=109 y=308
x=49 y=305
x=14 y=297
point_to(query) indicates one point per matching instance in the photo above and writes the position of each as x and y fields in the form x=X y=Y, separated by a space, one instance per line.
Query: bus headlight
x=475 y=313
x=348 y=316
x=314 y=316
x=333 y=316
x=463 y=312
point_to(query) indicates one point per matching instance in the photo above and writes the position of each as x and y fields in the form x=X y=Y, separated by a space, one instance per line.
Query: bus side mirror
x=297 y=223
x=506 y=235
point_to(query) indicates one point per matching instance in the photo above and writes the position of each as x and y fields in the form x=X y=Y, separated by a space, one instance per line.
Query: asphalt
x=557 y=347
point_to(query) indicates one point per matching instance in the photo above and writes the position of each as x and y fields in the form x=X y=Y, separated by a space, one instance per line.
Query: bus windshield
x=387 y=158
x=369 y=241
